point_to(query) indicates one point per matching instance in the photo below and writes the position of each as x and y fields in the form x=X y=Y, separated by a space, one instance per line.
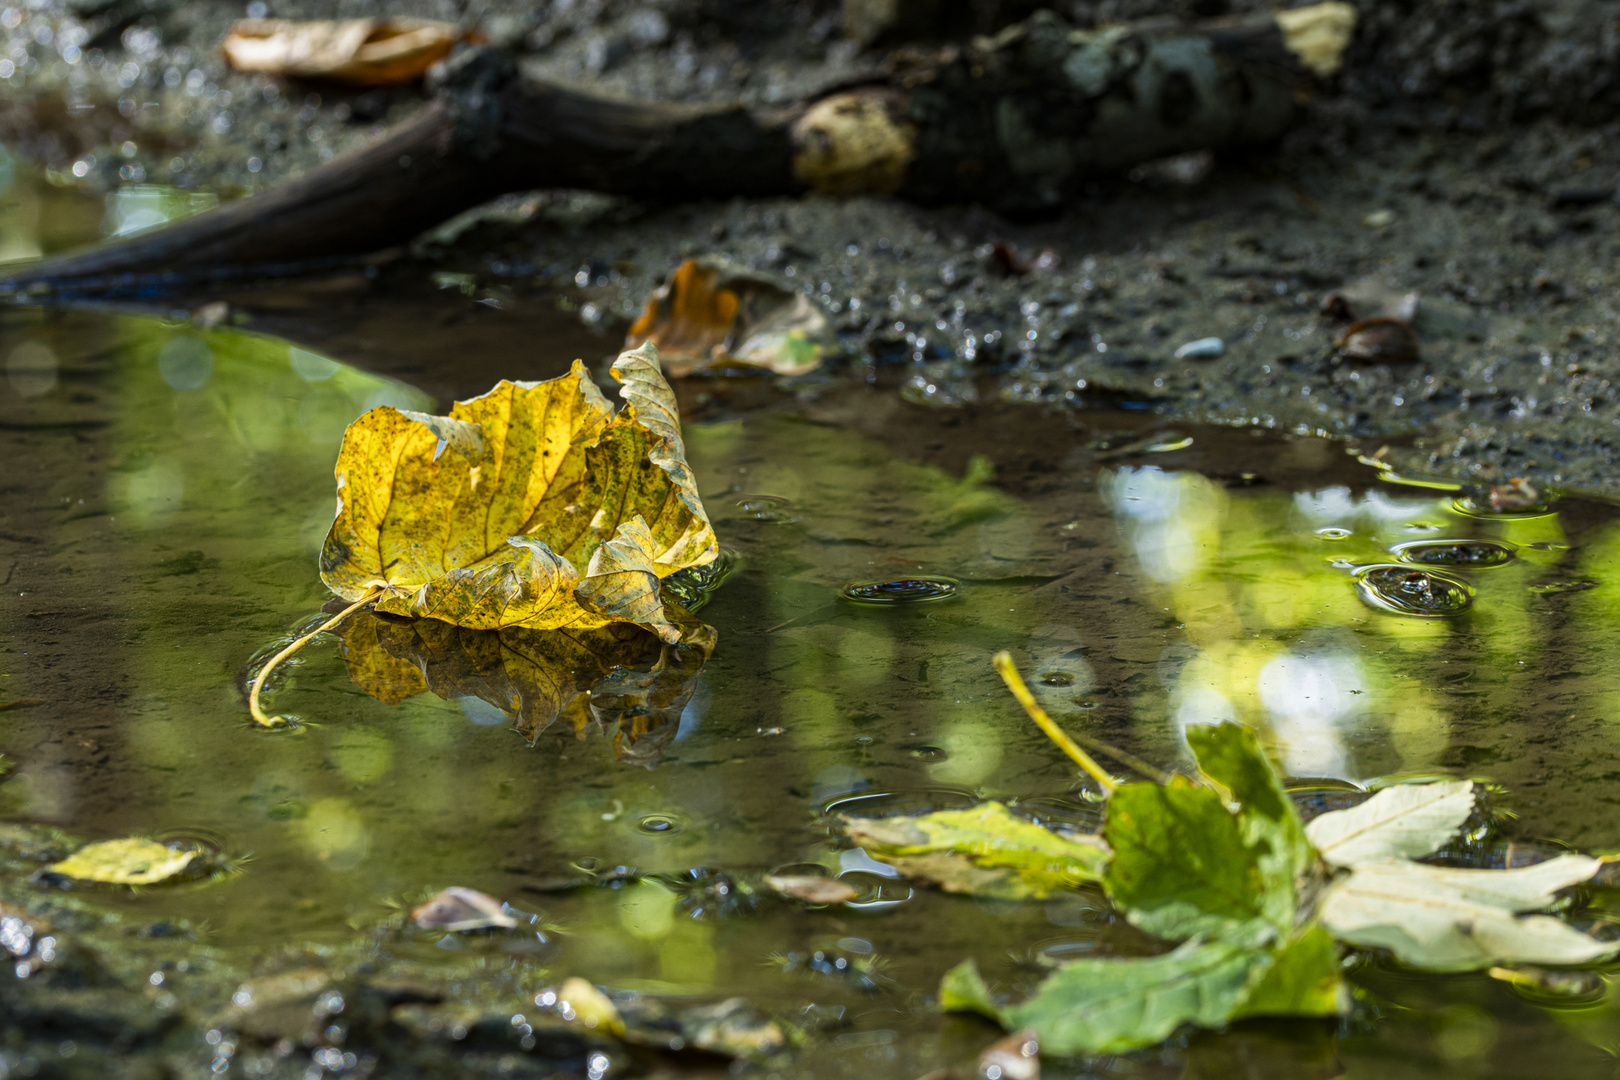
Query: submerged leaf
x=1229 y=755
x=985 y=850
x=1101 y=1006
x=1407 y=821
x=619 y=677
x=1446 y=919
x=1182 y=867
x=533 y=506
x=713 y=315
x=130 y=861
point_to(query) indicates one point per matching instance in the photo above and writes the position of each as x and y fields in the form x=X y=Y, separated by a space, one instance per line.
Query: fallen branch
x=1017 y=122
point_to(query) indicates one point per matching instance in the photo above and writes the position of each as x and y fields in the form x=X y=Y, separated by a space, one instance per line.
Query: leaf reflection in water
x=619 y=678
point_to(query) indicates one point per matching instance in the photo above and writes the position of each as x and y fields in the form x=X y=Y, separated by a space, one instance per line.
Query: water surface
x=166 y=492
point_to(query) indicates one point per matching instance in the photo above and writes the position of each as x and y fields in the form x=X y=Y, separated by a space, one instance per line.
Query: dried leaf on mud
x=533 y=506
x=1447 y=919
x=985 y=850
x=365 y=52
x=710 y=314
x=618 y=678
x=1407 y=821
x=129 y=861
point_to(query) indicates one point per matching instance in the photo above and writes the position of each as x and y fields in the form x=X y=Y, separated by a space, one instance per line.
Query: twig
x=264 y=672
x=1015 y=682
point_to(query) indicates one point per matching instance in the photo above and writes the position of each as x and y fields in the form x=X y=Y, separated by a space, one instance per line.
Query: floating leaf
x=711 y=314
x=1182 y=867
x=986 y=850
x=633 y=684
x=1446 y=919
x=366 y=52
x=1102 y=1006
x=130 y=861
x=1229 y=755
x=457 y=909
x=1407 y=821
x=531 y=506
x=812 y=889
x=1305 y=979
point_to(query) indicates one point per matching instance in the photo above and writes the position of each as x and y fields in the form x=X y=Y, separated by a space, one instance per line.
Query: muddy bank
x=1465 y=156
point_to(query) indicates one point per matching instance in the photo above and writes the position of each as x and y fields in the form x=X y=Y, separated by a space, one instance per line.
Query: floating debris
x=914 y=590
x=130 y=861
x=1549 y=588
x=1406 y=590
x=1207 y=348
x=366 y=52
x=457 y=910
x=1470 y=554
x=812 y=889
x=1516 y=494
x=1381 y=340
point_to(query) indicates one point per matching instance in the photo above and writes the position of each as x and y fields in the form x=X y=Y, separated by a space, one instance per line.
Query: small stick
x=264 y=672
x=1009 y=674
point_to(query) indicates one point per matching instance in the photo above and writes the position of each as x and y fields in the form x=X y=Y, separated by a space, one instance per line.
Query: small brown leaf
x=812 y=889
x=458 y=909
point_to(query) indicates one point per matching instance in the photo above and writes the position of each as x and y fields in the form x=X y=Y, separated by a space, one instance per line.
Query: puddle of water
x=170 y=488
x=43 y=216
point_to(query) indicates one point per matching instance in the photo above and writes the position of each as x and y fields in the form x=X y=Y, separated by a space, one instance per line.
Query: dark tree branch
x=1016 y=122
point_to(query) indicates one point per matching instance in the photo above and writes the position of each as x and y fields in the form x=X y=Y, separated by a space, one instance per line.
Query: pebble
x=1203 y=349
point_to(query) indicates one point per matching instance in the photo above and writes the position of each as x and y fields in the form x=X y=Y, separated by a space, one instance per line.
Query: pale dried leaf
x=458 y=909
x=365 y=52
x=1446 y=919
x=1407 y=821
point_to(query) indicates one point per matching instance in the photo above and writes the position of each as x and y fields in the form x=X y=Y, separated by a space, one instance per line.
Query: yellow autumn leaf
x=534 y=506
x=130 y=861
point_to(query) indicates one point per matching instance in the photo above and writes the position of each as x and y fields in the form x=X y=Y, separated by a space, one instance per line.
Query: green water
x=165 y=494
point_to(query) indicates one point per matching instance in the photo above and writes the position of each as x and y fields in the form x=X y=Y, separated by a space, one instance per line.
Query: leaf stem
x=1015 y=682
x=264 y=672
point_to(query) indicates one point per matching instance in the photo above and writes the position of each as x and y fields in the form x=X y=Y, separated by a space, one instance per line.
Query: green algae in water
x=166 y=527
